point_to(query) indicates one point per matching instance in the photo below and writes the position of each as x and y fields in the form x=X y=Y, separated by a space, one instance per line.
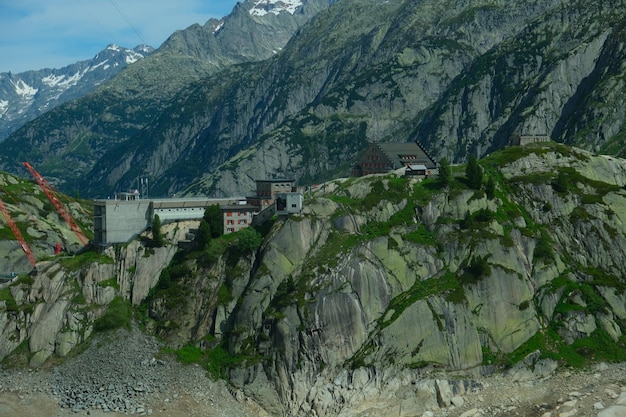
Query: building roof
x=164 y=203
x=240 y=207
x=396 y=150
x=277 y=180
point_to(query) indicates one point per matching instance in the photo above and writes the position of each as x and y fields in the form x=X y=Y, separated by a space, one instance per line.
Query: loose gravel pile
x=121 y=372
x=118 y=374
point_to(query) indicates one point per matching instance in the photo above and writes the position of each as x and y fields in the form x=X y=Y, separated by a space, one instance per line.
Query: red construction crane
x=17 y=233
x=47 y=188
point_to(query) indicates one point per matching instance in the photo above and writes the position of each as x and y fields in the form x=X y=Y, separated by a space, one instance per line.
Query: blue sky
x=36 y=34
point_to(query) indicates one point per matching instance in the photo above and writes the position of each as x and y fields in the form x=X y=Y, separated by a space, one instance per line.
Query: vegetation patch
x=422 y=236
x=7 y=298
x=543 y=250
x=76 y=262
x=477 y=269
x=421 y=289
x=119 y=314
x=224 y=296
x=109 y=283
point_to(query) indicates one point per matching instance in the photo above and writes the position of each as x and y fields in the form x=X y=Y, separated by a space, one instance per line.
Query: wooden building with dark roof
x=380 y=158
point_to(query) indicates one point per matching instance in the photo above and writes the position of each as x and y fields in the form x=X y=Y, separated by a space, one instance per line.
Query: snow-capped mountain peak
x=263 y=7
x=26 y=95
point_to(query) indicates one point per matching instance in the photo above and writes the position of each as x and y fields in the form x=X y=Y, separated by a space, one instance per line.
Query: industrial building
x=126 y=216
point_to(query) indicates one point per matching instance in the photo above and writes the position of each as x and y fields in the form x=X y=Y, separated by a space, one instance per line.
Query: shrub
x=560 y=183
x=543 y=250
x=248 y=240
x=219 y=360
x=477 y=268
x=467 y=222
x=118 y=314
x=224 y=296
x=484 y=215
x=189 y=354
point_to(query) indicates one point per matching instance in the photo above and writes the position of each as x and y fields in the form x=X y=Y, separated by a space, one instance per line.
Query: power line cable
x=95 y=18
x=128 y=21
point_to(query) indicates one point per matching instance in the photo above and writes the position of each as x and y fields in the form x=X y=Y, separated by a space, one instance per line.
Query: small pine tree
x=467 y=222
x=204 y=234
x=490 y=188
x=474 y=173
x=445 y=173
x=157 y=236
x=560 y=183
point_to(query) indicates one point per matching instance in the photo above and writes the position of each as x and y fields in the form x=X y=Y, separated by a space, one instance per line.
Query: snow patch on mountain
x=263 y=7
x=62 y=81
x=218 y=27
x=24 y=90
x=27 y=95
x=132 y=57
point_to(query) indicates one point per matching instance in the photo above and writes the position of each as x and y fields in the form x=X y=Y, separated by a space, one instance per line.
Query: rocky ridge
x=27 y=95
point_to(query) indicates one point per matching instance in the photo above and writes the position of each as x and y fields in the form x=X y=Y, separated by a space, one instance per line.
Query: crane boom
x=17 y=233
x=47 y=188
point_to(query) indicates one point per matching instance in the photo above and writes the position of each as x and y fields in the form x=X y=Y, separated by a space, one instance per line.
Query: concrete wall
x=289 y=203
x=118 y=221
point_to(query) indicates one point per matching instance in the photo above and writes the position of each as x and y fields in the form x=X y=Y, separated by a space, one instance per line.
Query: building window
x=229 y=213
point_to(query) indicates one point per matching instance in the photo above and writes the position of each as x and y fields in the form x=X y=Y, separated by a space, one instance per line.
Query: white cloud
x=37 y=34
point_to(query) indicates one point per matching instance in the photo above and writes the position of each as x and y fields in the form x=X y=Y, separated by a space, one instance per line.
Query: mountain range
x=301 y=89
x=27 y=95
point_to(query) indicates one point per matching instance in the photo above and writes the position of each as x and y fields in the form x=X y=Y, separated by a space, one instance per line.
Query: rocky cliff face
x=380 y=290
x=52 y=310
x=461 y=78
x=358 y=298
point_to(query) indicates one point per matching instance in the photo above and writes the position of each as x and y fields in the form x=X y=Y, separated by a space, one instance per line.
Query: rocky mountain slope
x=461 y=77
x=386 y=295
x=27 y=95
x=108 y=123
x=40 y=224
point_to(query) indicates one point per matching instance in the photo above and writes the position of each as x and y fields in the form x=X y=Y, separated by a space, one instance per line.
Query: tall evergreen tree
x=157 y=236
x=445 y=173
x=490 y=188
x=204 y=234
x=474 y=173
x=213 y=216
